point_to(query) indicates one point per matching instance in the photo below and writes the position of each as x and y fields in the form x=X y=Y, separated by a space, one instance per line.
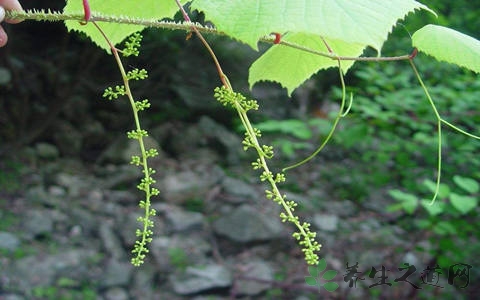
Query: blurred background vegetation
x=386 y=145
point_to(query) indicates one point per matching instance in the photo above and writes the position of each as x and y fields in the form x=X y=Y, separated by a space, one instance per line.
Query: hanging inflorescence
x=242 y=105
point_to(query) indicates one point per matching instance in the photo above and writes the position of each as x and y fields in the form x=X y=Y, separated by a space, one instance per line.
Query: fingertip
x=3 y=37
x=2 y=14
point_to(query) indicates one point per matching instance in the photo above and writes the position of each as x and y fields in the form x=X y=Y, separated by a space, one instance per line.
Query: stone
x=255 y=269
x=116 y=293
x=41 y=271
x=46 y=151
x=76 y=185
x=117 y=273
x=180 y=220
x=181 y=186
x=121 y=151
x=111 y=242
x=215 y=131
x=192 y=247
x=201 y=278
x=38 y=222
x=247 y=224
x=9 y=241
x=12 y=297
x=239 y=190
x=326 y=222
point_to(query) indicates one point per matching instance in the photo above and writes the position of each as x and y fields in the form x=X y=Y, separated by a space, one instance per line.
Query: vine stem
x=439 y=130
x=341 y=113
x=146 y=170
x=223 y=77
x=49 y=15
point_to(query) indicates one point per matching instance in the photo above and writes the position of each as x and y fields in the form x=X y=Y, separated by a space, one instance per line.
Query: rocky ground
x=67 y=228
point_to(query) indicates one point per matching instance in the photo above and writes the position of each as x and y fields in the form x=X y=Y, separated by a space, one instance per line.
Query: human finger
x=10 y=5
x=3 y=37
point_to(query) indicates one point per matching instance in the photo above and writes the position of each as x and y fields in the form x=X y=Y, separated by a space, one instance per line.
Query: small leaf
x=312 y=270
x=433 y=209
x=464 y=204
x=322 y=264
x=468 y=184
x=444 y=228
x=330 y=286
x=449 y=45
x=443 y=192
x=409 y=201
x=311 y=281
x=329 y=275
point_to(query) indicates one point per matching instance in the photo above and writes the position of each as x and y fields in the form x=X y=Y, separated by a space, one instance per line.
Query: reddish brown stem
x=86 y=11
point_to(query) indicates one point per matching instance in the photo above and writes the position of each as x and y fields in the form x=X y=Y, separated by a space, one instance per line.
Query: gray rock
x=411 y=258
x=344 y=208
x=198 y=279
x=38 y=222
x=121 y=151
x=116 y=293
x=221 y=135
x=84 y=220
x=326 y=222
x=46 y=151
x=239 y=190
x=111 y=242
x=180 y=220
x=117 y=273
x=121 y=197
x=143 y=281
x=41 y=270
x=246 y=224
x=8 y=241
x=258 y=270
x=37 y=194
x=76 y=185
x=12 y=297
x=181 y=186
x=168 y=251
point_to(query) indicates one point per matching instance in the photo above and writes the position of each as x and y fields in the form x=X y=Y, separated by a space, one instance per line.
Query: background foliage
x=385 y=146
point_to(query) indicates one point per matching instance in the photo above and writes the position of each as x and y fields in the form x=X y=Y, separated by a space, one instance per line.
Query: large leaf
x=364 y=22
x=291 y=67
x=147 y=9
x=448 y=45
x=463 y=203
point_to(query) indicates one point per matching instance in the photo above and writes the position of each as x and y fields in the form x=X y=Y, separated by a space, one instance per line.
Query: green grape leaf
x=433 y=209
x=146 y=9
x=444 y=228
x=291 y=67
x=448 y=45
x=443 y=191
x=364 y=22
x=464 y=204
x=468 y=184
x=409 y=202
x=330 y=286
x=329 y=275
